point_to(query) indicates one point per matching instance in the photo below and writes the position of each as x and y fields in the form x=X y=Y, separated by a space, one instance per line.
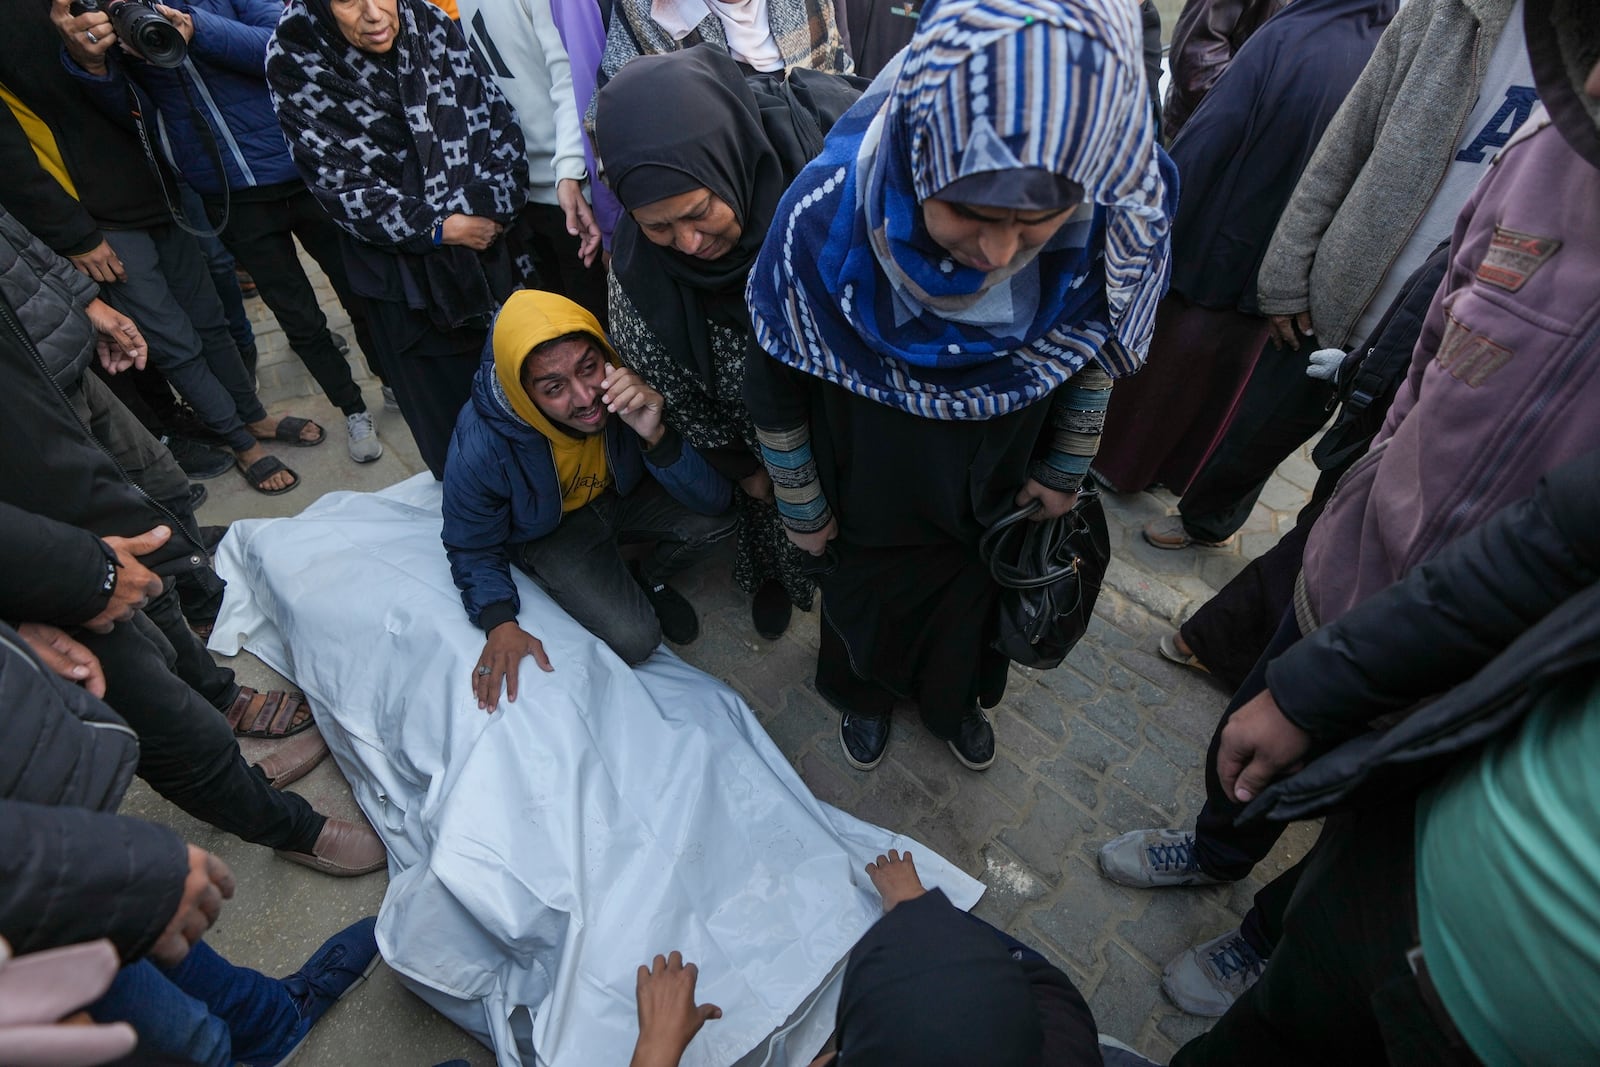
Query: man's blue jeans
x=205 y=1010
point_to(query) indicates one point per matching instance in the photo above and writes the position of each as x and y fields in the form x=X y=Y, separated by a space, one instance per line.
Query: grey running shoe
x=1207 y=979
x=364 y=444
x=1153 y=859
x=390 y=401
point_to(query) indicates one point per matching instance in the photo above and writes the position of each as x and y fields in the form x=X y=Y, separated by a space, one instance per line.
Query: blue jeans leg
x=168 y=1021
x=257 y=1010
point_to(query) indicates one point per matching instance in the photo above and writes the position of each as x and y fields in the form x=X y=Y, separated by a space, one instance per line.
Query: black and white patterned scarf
x=392 y=144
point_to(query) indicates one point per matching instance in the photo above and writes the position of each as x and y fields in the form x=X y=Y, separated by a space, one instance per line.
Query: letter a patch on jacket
x=1514 y=257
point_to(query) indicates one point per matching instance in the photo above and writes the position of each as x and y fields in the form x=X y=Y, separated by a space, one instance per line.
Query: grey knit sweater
x=1379 y=164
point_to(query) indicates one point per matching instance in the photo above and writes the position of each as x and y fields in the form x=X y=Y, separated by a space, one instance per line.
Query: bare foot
x=895 y=878
x=280 y=480
x=267 y=429
x=1181 y=645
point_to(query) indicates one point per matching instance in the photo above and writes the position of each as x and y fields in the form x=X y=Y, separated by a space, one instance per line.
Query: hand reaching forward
x=502 y=657
x=668 y=1015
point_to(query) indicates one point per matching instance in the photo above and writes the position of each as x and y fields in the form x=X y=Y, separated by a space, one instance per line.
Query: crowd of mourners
x=845 y=284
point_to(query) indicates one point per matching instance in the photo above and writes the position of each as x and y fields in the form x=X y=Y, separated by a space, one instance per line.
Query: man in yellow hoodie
x=562 y=455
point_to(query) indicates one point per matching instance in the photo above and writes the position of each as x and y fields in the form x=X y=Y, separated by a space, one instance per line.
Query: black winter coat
x=50 y=465
x=1517 y=597
x=70 y=869
x=115 y=186
x=49 y=295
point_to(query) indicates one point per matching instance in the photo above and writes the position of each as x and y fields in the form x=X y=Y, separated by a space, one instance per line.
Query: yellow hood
x=527 y=319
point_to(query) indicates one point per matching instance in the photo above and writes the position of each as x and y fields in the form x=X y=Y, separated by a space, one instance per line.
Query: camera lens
x=151 y=35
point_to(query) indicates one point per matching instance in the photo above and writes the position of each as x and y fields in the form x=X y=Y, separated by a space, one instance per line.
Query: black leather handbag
x=1049 y=575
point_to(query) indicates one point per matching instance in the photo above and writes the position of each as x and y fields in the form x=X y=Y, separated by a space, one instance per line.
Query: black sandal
x=289 y=429
x=262 y=469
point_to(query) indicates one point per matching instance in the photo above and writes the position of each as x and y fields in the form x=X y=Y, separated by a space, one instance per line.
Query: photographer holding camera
x=201 y=66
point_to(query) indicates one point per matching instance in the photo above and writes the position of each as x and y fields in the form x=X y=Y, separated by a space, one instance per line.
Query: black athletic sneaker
x=974 y=743
x=340 y=343
x=679 y=623
x=198 y=460
x=864 y=739
x=197 y=496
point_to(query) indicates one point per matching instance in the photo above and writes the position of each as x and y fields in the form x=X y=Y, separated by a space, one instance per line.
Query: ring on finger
x=484 y=671
x=91 y=37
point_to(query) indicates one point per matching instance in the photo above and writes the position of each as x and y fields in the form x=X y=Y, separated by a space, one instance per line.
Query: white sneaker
x=364 y=444
x=1207 y=979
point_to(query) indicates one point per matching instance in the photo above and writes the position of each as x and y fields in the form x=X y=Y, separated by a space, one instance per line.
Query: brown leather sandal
x=271 y=715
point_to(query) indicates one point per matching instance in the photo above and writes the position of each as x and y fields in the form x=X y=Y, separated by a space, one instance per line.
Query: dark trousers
x=1222 y=849
x=431 y=372
x=579 y=565
x=555 y=258
x=219 y=261
x=953 y=677
x=149 y=464
x=1280 y=410
x=1339 y=989
x=1231 y=630
x=261 y=235
x=187 y=751
x=169 y=293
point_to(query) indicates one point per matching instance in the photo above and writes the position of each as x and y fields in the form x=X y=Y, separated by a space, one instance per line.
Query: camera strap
x=202 y=127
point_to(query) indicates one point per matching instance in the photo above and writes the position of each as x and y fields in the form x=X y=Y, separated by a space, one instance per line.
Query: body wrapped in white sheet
x=538 y=855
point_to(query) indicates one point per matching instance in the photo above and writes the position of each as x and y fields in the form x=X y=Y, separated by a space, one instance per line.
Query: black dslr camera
x=140 y=26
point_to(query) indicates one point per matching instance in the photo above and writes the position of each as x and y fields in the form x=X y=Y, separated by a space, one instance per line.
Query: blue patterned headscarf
x=851 y=288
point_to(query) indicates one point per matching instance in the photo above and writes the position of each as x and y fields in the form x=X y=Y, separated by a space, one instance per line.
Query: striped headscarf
x=851 y=288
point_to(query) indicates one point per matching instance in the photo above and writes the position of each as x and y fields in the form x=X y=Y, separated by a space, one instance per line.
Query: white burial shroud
x=538 y=855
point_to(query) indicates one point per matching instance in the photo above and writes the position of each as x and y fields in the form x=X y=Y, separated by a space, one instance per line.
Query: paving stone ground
x=1110 y=741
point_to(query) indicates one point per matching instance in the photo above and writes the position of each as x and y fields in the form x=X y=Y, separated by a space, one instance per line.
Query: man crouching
x=547 y=470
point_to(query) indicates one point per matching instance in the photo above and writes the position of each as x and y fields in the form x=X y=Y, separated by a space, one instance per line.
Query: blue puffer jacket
x=501 y=491
x=225 y=78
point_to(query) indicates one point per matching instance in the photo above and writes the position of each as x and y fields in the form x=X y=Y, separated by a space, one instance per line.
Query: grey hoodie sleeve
x=1284 y=286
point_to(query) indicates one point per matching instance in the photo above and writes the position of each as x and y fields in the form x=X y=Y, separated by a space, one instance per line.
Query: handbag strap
x=1013 y=577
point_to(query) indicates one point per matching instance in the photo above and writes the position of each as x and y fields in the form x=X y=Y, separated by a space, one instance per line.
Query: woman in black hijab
x=699 y=153
x=932 y=986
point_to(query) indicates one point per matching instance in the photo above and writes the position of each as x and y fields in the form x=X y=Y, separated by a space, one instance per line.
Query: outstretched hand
x=1258 y=746
x=668 y=1016
x=501 y=659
